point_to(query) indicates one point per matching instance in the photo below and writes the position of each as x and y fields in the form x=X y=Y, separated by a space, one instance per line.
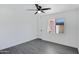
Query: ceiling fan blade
x=46 y=9
x=42 y=11
x=37 y=6
x=32 y=9
x=36 y=12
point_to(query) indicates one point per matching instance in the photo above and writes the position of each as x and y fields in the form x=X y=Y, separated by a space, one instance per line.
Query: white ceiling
x=55 y=8
x=60 y=7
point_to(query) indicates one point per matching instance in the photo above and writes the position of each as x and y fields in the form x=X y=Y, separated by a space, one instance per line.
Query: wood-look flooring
x=38 y=46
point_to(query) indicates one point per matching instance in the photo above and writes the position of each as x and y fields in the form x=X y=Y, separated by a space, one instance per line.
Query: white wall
x=78 y=28
x=69 y=37
x=16 y=25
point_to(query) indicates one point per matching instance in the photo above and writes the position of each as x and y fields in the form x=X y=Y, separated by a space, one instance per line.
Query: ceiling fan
x=39 y=9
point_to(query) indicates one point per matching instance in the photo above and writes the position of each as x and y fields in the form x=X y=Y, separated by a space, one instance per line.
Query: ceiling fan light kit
x=39 y=11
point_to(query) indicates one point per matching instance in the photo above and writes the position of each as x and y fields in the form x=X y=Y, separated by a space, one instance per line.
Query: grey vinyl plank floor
x=38 y=46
